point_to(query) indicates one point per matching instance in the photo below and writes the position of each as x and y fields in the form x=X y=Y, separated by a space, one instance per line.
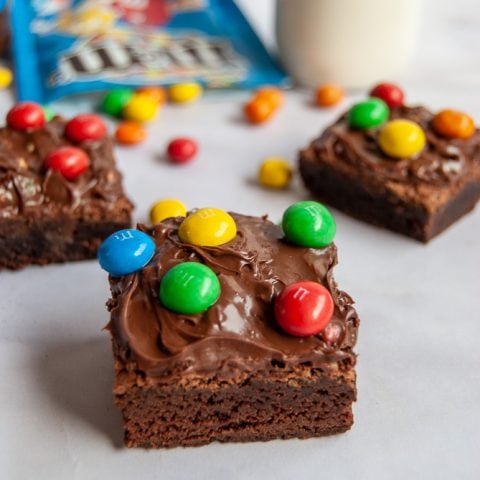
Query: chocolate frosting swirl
x=239 y=332
x=442 y=162
x=29 y=190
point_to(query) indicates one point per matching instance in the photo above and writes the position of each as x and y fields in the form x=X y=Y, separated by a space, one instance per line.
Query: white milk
x=354 y=43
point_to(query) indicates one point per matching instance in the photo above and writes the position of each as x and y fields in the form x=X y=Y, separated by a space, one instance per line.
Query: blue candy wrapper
x=62 y=47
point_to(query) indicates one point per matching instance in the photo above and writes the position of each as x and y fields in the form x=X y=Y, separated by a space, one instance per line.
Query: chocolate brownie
x=230 y=374
x=418 y=197
x=46 y=218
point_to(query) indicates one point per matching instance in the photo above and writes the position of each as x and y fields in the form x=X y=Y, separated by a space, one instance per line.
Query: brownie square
x=230 y=374
x=46 y=218
x=417 y=197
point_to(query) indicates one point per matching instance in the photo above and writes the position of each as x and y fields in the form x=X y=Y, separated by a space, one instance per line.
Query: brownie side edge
x=458 y=206
x=302 y=403
x=42 y=241
x=364 y=202
x=375 y=205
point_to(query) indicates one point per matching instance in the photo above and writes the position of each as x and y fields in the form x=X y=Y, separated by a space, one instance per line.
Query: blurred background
x=445 y=54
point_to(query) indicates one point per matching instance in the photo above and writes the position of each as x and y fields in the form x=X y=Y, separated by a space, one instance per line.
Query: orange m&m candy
x=271 y=94
x=328 y=95
x=258 y=110
x=157 y=94
x=130 y=133
x=454 y=124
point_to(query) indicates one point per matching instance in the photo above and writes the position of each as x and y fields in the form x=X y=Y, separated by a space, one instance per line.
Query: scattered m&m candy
x=308 y=224
x=258 y=110
x=208 y=227
x=157 y=94
x=263 y=104
x=71 y=162
x=140 y=108
x=454 y=124
x=275 y=172
x=189 y=288
x=271 y=94
x=6 y=77
x=114 y=101
x=304 y=308
x=185 y=92
x=328 y=95
x=130 y=133
x=182 y=150
x=368 y=114
x=390 y=93
x=26 y=116
x=125 y=252
x=167 y=208
x=84 y=127
x=401 y=138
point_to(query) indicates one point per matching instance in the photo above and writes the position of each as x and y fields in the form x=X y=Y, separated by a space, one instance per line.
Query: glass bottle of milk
x=350 y=42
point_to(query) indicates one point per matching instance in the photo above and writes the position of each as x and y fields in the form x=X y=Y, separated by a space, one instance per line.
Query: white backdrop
x=419 y=362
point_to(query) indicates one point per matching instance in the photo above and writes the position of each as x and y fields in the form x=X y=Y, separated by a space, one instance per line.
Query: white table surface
x=418 y=411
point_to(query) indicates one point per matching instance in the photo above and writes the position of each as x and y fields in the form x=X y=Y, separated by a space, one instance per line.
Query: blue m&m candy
x=125 y=251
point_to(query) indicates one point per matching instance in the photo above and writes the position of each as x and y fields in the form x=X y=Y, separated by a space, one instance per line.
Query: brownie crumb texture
x=258 y=409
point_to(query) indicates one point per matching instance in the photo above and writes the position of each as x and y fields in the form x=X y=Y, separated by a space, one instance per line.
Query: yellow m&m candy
x=184 y=92
x=140 y=108
x=401 y=138
x=167 y=208
x=275 y=172
x=5 y=77
x=208 y=227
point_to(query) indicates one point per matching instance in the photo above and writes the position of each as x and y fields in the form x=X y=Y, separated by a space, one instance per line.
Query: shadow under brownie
x=46 y=218
x=230 y=373
x=417 y=197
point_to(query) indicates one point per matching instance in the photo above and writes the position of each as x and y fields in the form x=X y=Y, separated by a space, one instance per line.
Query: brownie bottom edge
x=259 y=410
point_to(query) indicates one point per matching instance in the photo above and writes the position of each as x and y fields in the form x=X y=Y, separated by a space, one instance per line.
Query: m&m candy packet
x=63 y=47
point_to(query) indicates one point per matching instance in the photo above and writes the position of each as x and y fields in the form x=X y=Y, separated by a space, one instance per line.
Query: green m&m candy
x=114 y=101
x=48 y=112
x=189 y=288
x=308 y=224
x=368 y=114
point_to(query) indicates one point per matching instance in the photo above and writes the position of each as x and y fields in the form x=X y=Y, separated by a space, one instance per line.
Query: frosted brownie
x=233 y=372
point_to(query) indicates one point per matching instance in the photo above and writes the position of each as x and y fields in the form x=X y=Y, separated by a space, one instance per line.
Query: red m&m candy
x=304 y=308
x=71 y=162
x=332 y=333
x=182 y=150
x=390 y=93
x=26 y=116
x=86 y=126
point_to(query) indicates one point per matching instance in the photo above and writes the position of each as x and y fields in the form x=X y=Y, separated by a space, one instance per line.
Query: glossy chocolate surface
x=28 y=189
x=442 y=162
x=239 y=332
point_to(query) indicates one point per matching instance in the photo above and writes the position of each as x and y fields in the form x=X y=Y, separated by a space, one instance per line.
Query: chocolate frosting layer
x=29 y=190
x=442 y=162
x=239 y=332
